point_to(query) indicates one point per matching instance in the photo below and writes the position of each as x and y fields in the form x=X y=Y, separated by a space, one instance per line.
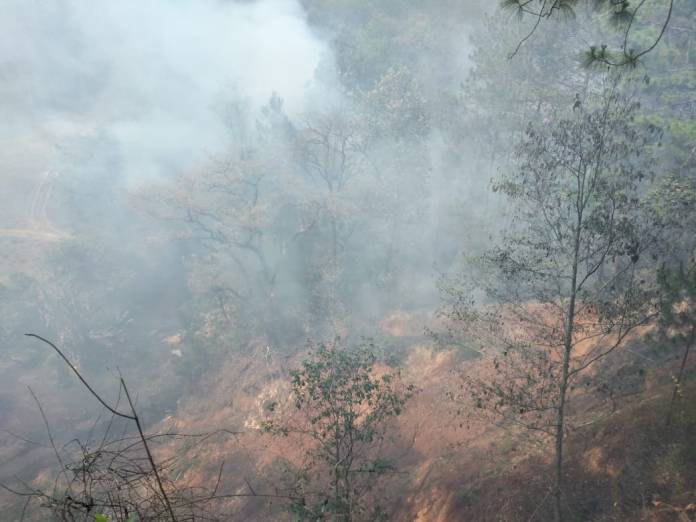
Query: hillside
x=624 y=463
x=348 y=261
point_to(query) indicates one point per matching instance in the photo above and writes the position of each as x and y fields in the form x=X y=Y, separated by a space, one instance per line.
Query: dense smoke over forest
x=157 y=78
x=347 y=261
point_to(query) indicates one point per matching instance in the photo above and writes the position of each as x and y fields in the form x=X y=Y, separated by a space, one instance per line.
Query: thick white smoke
x=152 y=75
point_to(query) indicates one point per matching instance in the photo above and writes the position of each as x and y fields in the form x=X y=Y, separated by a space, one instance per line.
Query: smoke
x=154 y=76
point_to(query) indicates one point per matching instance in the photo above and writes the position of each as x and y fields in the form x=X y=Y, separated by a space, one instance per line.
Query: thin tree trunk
x=334 y=240
x=689 y=344
x=337 y=468
x=563 y=385
x=560 y=426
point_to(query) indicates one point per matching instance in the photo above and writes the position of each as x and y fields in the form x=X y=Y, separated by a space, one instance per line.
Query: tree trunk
x=560 y=426
x=563 y=385
x=689 y=344
x=334 y=240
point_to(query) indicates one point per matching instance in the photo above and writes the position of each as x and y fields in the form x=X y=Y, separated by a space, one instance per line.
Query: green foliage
x=270 y=406
x=622 y=17
x=673 y=202
x=467 y=496
x=678 y=317
x=395 y=106
x=573 y=265
x=678 y=297
x=596 y=54
x=335 y=384
x=344 y=407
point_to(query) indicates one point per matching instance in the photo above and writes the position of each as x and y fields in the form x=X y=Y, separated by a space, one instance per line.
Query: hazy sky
x=152 y=75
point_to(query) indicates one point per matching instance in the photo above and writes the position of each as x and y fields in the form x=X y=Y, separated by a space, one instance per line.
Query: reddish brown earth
x=457 y=465
x=623 y=463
